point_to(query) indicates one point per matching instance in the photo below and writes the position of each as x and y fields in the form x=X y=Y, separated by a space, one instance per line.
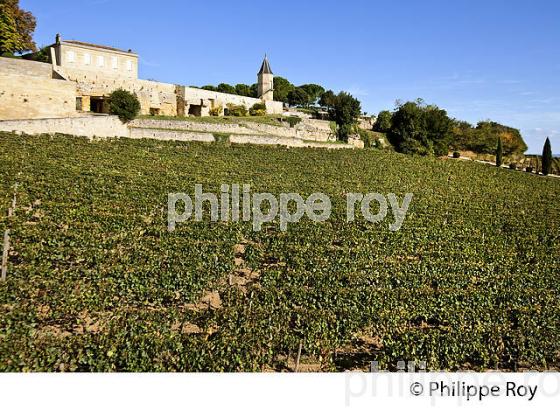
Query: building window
x=115 y=63
x=71 y=57
x=129 y=65
x=87 y=59
x=100 y=61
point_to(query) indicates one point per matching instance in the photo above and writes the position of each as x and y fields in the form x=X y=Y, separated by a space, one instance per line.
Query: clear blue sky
x=493 y=59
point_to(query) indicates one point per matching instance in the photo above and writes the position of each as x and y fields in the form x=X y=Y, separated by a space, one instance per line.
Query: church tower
x=266 y=82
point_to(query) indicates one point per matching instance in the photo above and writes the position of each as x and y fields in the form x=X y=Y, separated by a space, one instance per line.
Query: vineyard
x=97 y=283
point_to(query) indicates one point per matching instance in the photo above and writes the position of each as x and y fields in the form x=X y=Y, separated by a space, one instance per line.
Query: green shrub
x=365 y=137
x=124 y=104
x=258 y=110
x=216 y=111
x=370 y=138
x=237 y=110
x=221 y=137
x=293 y=120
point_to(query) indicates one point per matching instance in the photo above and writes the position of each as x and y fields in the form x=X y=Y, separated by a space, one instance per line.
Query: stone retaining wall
x=85 y=126
x=188 y=126
x=311 y=130
x=284 y=141
x=32 y=92
x=18 y=66
x=266 y=140
x=110 y=126
x=171 y=135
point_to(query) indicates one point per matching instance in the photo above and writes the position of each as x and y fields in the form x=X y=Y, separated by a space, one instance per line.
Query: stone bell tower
x=266 y=81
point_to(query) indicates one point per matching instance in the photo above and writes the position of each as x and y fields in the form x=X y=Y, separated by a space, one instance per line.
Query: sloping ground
x=251 y=130
x=234 y=138
x=97 y=283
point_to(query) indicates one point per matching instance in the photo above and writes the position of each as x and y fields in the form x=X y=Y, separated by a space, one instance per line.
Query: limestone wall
x=274 y=107
x=105 y=126
x=366 y=123
x=200 y=94
x=151 y=94
x=356 y=142
x=233 y=138
x=29 y=96
x=171 y=135
x=189 y=126
x=16 y=66
x=284 y=141
x=195 y=95
x=330 y=145
x=266 y=140
x=313 y=131
x=86 y=126
x=315 y=125
x=303 y=130
x=155 y=97
x=162 y=97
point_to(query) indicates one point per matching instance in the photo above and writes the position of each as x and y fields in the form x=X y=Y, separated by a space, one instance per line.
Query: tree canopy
x=345 y=112
x=282 y=88
x=284 y=91
x=327 y=99
x=298 y=97
x=417 y=128
x=313 y=91
x=239 y=89
x=244 y=90
x=483 y=137
x=383 y=122
x=16 y=28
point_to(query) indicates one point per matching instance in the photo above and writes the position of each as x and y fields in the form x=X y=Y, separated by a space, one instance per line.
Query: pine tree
x=547 y=158
x=499 y=153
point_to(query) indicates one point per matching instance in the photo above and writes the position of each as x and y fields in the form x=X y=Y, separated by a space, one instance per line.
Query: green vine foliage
x=97 y=283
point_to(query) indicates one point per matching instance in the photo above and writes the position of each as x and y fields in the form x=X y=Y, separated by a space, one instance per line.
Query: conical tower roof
x=265 y=67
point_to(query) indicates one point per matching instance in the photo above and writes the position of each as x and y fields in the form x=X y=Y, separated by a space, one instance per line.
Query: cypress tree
x=499 y=153
x=547 y=158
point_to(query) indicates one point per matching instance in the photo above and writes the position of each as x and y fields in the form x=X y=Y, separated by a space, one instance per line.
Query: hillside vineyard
x=96 y=282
